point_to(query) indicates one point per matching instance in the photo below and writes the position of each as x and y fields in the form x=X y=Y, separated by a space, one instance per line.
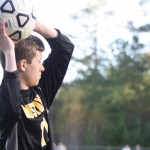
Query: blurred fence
x=70 y=147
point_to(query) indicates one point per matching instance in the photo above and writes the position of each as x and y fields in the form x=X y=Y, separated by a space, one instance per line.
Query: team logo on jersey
x=33 y=109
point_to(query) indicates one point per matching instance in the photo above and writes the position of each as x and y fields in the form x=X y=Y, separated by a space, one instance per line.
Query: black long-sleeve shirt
x=24 y=123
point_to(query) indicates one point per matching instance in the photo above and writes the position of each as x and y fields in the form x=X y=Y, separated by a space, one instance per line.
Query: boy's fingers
x=2 y=27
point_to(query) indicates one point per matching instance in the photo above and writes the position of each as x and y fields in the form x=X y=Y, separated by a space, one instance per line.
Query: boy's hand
x=8 y=48
x=6 y=44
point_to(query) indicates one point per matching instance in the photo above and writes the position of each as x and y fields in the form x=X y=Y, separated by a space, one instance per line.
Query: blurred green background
x=108 y=100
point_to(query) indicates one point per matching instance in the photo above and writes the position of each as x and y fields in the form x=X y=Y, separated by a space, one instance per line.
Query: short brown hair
x=25 y=49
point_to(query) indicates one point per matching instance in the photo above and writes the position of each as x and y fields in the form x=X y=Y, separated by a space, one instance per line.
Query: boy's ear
x=21 y=65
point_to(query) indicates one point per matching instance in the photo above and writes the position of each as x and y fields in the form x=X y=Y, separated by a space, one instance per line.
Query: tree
x=109 y=103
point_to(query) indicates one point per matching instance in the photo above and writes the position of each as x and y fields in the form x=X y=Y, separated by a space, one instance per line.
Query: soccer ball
x=19 y=18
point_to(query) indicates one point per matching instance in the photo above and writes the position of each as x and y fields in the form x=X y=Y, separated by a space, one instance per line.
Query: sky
x=56 y=13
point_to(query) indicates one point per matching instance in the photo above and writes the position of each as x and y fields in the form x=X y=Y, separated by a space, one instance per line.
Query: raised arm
x=57 y=62
x=45 y=31
x=7 y=46
x=9 y=90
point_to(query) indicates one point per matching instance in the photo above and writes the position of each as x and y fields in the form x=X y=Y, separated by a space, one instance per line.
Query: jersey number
x=43 y=126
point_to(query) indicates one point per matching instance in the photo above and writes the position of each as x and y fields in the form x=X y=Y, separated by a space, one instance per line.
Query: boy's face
x=32 y=72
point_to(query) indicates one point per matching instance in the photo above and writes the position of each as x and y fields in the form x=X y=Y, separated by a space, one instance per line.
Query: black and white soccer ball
x=20 y=18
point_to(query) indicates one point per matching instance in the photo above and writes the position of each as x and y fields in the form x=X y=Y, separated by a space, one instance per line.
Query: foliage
x=109 y=105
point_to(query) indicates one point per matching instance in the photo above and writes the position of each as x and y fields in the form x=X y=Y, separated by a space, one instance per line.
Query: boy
x=29 y=87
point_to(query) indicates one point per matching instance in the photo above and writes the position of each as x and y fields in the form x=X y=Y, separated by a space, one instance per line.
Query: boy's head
x=25 y=49
x=28 y=54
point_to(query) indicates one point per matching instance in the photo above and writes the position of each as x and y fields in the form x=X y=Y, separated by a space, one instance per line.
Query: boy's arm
x=57 y=62
x=45 y=31
x=9 y=90
x=8 y=48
